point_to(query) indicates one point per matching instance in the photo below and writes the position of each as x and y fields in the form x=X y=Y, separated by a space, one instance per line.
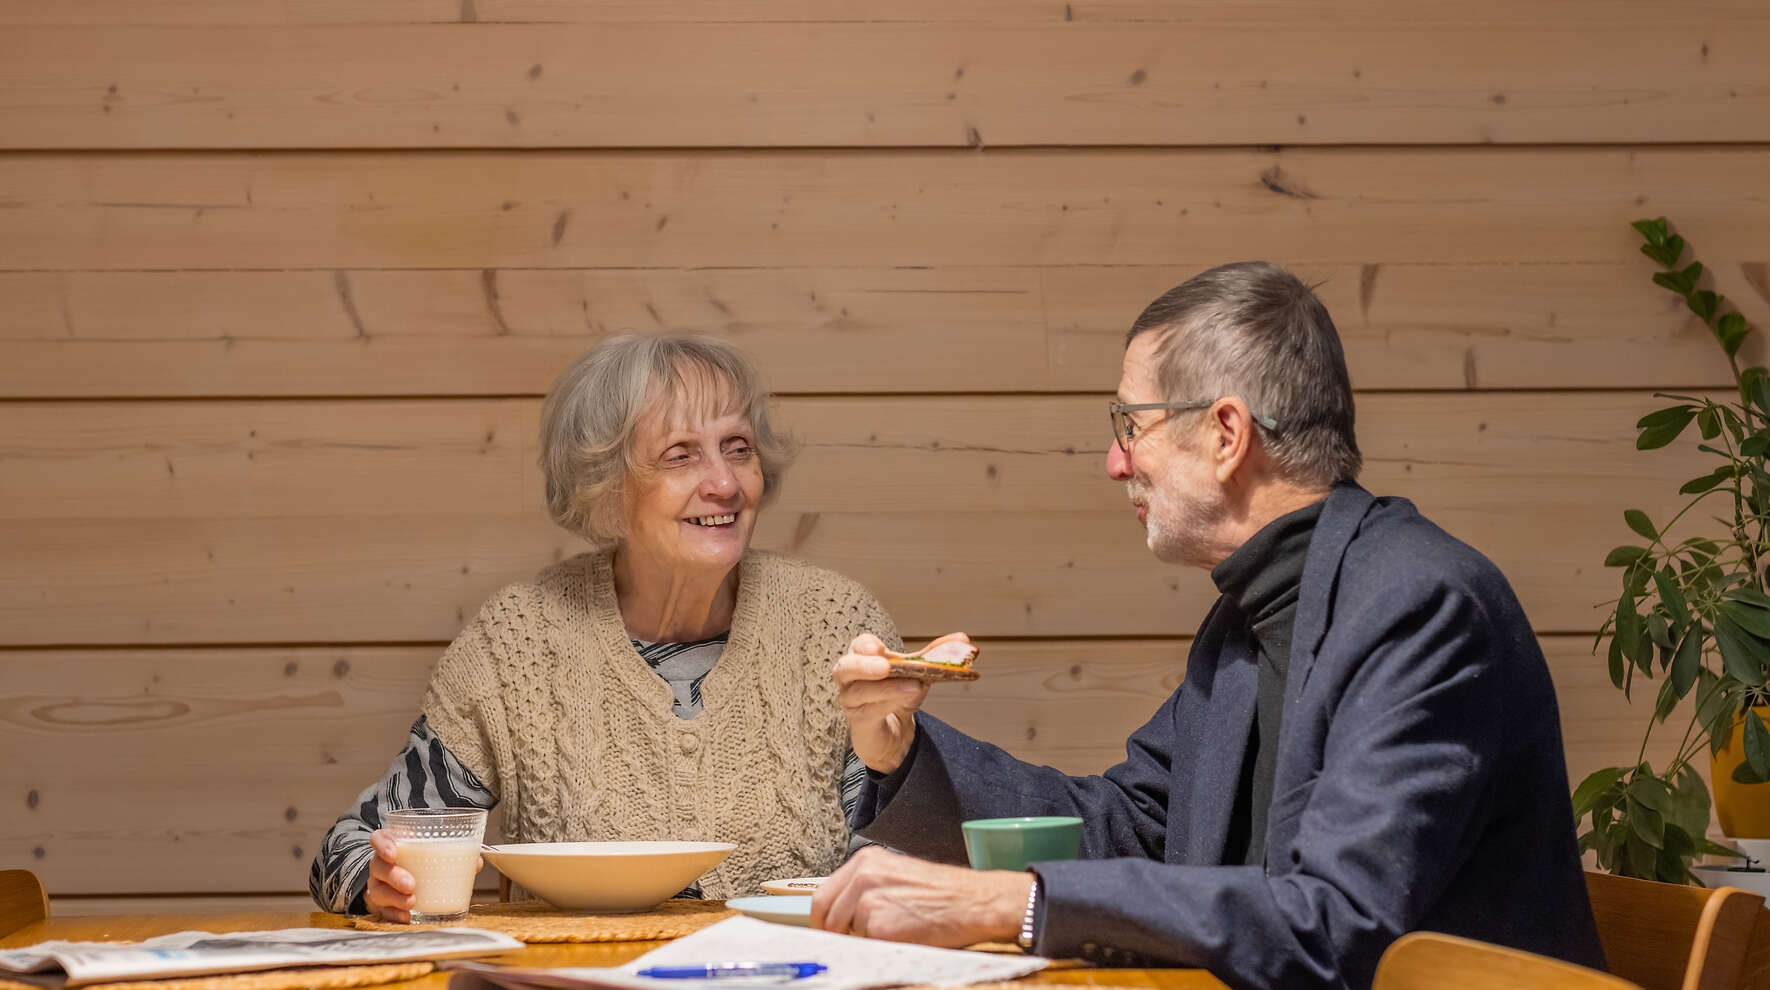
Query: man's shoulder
x=1396 y=543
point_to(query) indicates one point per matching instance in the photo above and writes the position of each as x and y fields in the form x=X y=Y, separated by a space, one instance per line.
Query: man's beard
x=1180 y=517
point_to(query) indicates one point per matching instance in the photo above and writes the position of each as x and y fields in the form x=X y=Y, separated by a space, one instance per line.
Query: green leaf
x=1687 y=662
x=1652 y=792
x=1674 y=859
x=1706 y=848
x=1659 y=630
x=1703 y=303
x=1667 y=700
x=1742 y=654
x=1744 y=774
x=1654 y=230
x=1595 y=784
x=1638 y=521
x=1760 y=395
x=1714 y=708
x=1673 y=281
x=1646 y=823
x=1750 y=596
x=1628 y=630
x=1751 y=618
x=1666 y=417
x=1709 y=422
x=1754 y=446
x=1655 y=437
x=1624 y=556
x=1672 y=595
x=1732 y=331
x=1690 y=802
x=1696 y=486
x=1617 y=664
x=1757 y=744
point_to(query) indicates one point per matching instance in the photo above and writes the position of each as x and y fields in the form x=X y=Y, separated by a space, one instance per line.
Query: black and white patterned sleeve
x=424 y=775
x=854 y=775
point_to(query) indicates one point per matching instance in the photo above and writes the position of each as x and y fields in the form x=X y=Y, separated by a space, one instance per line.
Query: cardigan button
x=689 y=743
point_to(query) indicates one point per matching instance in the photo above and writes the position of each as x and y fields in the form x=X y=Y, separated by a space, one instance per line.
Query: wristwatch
x=1025 y=941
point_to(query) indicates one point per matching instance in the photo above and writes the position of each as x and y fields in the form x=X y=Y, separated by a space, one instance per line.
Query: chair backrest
x=1667 y=936
x=1430 y=961
x=22 y=900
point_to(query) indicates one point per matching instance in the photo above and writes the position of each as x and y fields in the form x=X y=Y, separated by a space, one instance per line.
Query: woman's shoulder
x=548 y=595
x=799 y=595
x=802 y=579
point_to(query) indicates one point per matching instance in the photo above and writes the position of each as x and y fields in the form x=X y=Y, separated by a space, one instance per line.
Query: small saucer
x=780 y=910
x=794 y=885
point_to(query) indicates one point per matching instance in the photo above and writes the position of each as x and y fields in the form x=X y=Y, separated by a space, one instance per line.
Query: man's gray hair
x=1252 y=330
x=590 y=421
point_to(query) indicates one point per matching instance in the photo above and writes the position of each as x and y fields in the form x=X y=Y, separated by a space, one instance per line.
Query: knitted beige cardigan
x=543 y=697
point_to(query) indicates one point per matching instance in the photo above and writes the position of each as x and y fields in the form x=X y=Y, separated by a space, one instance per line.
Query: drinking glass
x=439 y=847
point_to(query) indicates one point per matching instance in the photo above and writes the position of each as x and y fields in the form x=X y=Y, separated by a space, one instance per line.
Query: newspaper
x=853 y=963
x=75 y=964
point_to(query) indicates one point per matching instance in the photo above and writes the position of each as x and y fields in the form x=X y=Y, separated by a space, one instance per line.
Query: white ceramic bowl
x=610 y=877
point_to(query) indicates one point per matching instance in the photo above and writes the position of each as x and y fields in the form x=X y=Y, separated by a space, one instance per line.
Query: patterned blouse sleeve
x=424 y=775
x=854 y=777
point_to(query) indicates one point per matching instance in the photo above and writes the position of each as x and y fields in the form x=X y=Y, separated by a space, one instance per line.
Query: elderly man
x=1366 y=742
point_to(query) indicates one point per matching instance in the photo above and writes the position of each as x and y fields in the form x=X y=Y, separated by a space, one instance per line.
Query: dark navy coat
x=1420 y=782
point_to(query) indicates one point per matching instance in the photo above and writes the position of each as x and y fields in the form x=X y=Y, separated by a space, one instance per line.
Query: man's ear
x=1231 y=440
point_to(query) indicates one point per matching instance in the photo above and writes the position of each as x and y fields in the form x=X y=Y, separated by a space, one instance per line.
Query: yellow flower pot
x=1743 y=809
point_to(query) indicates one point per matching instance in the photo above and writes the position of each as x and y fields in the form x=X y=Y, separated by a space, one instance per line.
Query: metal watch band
x=1025 y=941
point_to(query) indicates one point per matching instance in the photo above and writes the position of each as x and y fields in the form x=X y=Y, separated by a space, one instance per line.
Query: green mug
x=1012 y=843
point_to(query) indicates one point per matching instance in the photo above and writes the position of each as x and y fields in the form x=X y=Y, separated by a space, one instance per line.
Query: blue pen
x=715 y=971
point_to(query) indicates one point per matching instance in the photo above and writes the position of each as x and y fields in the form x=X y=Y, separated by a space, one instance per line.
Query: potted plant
x=1693 y=613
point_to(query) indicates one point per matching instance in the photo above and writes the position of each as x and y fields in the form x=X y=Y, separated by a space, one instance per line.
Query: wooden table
x=133 y=927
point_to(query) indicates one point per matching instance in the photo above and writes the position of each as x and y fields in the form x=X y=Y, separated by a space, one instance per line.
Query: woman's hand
x=391 y=886
x=880 y=708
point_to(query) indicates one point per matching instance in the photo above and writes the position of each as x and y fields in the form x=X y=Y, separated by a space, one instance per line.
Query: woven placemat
x=537 y=921
x=318 y=977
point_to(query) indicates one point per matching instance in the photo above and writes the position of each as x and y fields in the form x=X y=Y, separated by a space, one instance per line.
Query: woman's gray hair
x=590 y=421
x=1252 y=330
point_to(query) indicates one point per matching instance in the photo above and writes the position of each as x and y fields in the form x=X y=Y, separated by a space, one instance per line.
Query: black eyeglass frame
x=1116 y=411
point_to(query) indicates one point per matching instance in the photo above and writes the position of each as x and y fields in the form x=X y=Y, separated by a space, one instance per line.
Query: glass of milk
x=440 y=848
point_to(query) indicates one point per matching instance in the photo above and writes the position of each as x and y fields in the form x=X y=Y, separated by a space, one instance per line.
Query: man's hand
x=887 y=895
x=880 y=709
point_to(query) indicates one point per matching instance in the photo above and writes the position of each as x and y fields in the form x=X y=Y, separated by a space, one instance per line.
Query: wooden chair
x=1666 y=936
x=22 y=900
x=1430 y=961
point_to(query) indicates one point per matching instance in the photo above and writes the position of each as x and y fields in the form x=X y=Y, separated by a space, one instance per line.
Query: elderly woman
x=671 y=684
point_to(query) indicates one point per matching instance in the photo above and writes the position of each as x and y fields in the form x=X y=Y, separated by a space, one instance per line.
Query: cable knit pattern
x=544 y=698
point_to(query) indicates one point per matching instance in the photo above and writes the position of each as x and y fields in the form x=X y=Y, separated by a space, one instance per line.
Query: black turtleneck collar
x=1264 y=574
x=1264 y=578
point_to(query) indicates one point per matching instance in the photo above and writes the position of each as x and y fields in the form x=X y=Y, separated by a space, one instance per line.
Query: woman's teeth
x=713 y=520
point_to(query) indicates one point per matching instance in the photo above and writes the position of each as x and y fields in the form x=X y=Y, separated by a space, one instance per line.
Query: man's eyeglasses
x=1125 y=429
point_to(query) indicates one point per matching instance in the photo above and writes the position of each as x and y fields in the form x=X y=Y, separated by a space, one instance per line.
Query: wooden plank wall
x=282 y=282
